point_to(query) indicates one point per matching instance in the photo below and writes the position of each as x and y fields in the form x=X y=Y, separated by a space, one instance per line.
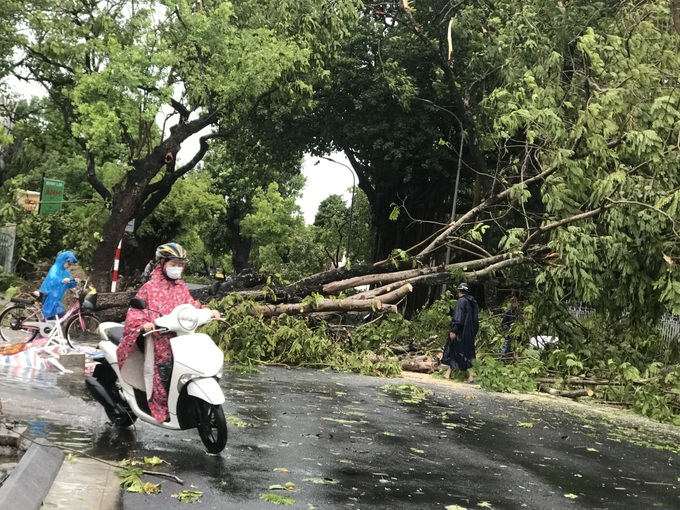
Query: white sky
x=324 y=178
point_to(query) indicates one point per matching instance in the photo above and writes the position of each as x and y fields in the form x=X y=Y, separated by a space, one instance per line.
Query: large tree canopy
x=113 y=67
x=570 y=121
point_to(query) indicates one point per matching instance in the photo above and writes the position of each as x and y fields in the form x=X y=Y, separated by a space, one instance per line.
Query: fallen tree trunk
x=582 y=381
x=389 y=296
x=114 y=306
x=566 y=393
x=402 y=276
x=423 y=364
x=375 y=358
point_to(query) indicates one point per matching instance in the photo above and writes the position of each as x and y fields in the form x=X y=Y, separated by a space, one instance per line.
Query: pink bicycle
x=23 y=320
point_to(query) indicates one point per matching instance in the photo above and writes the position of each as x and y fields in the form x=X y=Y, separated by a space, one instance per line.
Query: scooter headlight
x=188 y=319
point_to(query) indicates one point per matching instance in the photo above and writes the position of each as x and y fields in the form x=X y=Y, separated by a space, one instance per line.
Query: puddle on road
x=56 y=406
x=69 y=438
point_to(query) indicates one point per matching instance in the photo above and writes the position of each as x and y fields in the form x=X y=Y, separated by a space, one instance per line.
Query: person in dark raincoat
x=459 y=350
x=508 y=319
x=162 y=293
x=57 y=281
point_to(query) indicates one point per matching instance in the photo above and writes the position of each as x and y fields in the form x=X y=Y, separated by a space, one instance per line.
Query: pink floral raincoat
x=162 y=294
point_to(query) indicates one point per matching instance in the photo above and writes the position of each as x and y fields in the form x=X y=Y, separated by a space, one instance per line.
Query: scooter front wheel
x=212 y=425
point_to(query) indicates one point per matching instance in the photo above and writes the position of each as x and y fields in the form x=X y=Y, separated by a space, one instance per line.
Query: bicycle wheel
x=81 y=331
x=11 y=325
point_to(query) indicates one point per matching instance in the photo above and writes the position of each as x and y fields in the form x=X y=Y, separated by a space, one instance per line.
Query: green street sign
x=51 y=196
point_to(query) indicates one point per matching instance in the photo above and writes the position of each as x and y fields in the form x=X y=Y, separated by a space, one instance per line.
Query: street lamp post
x=351 y=206
x=460 y=160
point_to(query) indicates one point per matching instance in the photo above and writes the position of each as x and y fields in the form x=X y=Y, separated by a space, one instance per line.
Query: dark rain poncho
x=459 y=352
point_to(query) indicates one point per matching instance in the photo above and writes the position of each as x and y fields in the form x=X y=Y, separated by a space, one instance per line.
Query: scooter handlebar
x=157 y=330
x=165 y=330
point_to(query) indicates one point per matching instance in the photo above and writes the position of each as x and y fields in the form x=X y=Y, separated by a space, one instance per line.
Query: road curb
x=30 y=481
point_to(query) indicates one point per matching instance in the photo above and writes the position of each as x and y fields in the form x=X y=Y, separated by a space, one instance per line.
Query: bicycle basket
x=88 y=299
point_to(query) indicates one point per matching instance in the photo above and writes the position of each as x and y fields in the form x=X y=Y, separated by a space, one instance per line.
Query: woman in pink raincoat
x=163 y=292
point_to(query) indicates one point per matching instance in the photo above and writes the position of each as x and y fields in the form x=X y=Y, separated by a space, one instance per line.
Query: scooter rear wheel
x=212 y=426
x=120 y=416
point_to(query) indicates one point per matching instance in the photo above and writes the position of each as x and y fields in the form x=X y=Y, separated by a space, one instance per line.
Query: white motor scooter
x=194 y=395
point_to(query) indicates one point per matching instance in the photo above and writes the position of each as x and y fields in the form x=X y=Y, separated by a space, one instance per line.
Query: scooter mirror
x=138 y=303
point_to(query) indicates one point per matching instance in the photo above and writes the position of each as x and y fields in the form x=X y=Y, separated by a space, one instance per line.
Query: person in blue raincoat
x=56 y=282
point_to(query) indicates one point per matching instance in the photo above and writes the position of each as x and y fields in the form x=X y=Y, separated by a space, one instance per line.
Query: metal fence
x=669 y=325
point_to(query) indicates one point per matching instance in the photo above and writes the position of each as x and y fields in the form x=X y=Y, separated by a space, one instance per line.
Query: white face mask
x=173 y=272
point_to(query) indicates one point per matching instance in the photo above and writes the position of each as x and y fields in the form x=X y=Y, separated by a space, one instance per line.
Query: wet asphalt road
x=346 y=441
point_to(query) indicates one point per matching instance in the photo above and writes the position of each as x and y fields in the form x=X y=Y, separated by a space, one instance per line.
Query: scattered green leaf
x=188 y=496
x=153 y=461
x=319 y=480
x=277 y=500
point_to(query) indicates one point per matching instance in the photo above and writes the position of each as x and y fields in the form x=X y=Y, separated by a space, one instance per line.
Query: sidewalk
x=42 y=477
x=84 y=484
x=45 y=477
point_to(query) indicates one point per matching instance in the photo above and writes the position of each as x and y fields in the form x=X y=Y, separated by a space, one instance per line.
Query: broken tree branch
x=327 y=305
x=566 y=393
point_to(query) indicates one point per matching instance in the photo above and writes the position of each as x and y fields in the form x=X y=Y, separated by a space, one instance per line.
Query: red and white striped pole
x=115 y=266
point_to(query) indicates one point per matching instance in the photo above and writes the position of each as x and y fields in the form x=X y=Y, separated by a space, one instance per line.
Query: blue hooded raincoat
x=52 y=288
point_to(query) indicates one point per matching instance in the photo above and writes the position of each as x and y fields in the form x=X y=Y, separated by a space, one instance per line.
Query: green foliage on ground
x=632 y=366
x=247 y=339
x=622 y=361
x=9 y=283
x=407 y=392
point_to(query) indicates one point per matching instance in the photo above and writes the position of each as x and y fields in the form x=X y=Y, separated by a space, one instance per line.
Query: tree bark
x=327 y=305
x=389 y=296
x=675 y=14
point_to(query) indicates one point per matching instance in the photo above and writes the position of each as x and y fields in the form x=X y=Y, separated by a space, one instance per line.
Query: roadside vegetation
x=622 y=364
